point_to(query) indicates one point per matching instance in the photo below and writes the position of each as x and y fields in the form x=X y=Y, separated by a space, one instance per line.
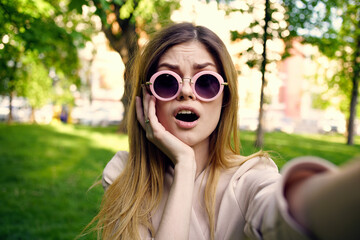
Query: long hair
x=130 y=199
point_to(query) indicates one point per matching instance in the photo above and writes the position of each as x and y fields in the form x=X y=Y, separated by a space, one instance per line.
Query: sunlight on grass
x=336 y=138
x=99 y=136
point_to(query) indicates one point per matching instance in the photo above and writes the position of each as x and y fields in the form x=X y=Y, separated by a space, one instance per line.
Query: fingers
x=156 y=132
x=151 y=113
x=145 y=109
x=140 y=112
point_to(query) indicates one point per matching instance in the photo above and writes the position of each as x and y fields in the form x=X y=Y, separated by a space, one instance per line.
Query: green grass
x=283 y=147
x=46 y=172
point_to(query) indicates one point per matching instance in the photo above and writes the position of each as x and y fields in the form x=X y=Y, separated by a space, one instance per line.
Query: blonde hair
x=130 y=199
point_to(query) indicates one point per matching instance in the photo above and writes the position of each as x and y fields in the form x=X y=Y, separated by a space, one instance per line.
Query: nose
x=186 y=91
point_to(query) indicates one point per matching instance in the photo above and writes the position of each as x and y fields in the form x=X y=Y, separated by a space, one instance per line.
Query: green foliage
x=37 y=37
x=254 y=32
x=35 y=83
x=319 y=102
x=267 y=25
x=156 y=13
x=8 y=68
x=123 y=22
x=332 y=26
x=143 y=15
x=126 y=10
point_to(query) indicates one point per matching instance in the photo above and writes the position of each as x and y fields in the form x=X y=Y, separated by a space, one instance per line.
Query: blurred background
x=64 y=91
x=66 y=60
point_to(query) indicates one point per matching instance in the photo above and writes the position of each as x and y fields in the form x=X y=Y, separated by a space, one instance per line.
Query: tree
x=123 y=22
x=8 y=70
x=35 y=82
x=270 y=26
x=334 y=27
x=37 y=35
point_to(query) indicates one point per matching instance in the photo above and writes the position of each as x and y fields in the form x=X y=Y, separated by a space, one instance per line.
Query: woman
x=183 y=177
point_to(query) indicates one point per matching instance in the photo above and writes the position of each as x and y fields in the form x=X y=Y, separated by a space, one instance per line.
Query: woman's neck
x=201 y=156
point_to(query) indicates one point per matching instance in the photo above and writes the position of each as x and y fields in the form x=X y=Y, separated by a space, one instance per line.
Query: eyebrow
x=195 y=66
x=168 y=65
x=203 y=65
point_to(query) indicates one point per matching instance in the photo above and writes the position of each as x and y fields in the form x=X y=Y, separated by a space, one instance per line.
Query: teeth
x=185 y=112
x=186 y=116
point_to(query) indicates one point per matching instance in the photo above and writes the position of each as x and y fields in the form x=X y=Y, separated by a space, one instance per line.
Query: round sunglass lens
x=207 y=86
x=166 y=86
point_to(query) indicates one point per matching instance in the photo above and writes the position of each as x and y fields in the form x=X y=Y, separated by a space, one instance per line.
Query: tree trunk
x=260 y=131
x=126 y=98
x=10 y=117
x=353 y=104
x=126 y=45
x=32 y=115
x=354 y=93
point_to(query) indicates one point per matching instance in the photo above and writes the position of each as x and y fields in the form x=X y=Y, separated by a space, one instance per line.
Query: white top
x=249 y=199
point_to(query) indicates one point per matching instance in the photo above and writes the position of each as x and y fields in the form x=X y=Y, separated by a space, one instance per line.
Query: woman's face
x=186 y=117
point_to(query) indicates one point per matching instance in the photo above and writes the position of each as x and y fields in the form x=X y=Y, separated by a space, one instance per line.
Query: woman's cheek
x=163 y=114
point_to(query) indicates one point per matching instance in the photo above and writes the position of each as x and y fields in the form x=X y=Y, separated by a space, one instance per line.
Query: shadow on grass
x=44 y=177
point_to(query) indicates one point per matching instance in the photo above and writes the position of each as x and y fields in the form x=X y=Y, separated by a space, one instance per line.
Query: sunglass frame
x=192 y=81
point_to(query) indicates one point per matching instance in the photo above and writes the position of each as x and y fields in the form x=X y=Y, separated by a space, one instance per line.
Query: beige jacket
x=249 y=200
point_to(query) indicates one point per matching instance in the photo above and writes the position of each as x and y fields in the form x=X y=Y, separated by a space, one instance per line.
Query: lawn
x=284 y=147
x=46 y=172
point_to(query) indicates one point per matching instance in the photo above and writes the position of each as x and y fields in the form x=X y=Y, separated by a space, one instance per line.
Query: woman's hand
x=175 y=221
x=328 y=204
x=174 y=148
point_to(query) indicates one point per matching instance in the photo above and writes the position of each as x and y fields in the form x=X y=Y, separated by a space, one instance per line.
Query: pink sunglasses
x=206 y=85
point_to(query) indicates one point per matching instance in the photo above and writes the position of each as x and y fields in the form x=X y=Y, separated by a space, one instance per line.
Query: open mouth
x=186 y=116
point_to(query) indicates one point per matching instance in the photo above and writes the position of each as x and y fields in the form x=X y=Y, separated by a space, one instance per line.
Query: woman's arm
x=327 y=204
x=175 y=221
